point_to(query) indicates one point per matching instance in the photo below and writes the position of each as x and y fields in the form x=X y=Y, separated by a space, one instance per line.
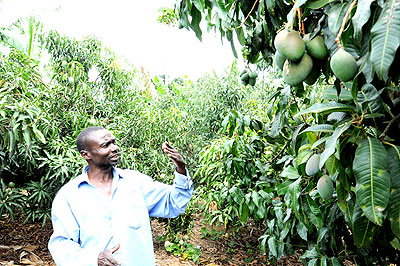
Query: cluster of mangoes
x=248 y=77
x=300 y=59
x=324 y=184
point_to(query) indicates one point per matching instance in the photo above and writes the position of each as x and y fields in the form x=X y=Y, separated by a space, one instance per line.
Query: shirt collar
x=84 y=178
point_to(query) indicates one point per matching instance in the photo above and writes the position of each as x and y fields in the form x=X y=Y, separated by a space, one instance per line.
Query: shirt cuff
x=183 y=181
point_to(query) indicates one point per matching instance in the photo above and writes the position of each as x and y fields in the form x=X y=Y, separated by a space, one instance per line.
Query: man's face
x=102 y=149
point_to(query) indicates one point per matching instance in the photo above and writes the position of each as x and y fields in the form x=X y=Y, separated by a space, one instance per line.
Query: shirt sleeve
x=164 y=200
x=64 y=242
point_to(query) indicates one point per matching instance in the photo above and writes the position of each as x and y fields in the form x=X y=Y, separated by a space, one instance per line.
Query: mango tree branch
x=337 y=40
x=388 y=126
x=301 y=23
x=248 y=15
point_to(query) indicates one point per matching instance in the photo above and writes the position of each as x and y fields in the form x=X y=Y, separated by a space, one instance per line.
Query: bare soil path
x=26 y=244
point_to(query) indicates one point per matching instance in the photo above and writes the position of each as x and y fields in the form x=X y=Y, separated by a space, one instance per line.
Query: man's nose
x=114 y=147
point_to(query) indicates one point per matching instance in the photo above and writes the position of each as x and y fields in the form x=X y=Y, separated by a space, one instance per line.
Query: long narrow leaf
x=394 y=212
x=361 y=16
x=326 y=108
x=319 y=128
x=313 y=212
x=394 y=166
x=331 y=143
x=385 y=38
x=394 y=204
x=336 y=15
x=372 y=179
x=363 y=229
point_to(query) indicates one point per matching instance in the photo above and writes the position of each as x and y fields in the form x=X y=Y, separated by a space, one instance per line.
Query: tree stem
x=389 y=126
x=337 y=40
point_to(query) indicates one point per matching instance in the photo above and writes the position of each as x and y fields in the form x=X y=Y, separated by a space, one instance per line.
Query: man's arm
x=64 y=242
x=164 y=200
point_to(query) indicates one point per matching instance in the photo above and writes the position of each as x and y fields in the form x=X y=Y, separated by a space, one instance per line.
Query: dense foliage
x=348 y=118
x=316 y=163
x=44 y=105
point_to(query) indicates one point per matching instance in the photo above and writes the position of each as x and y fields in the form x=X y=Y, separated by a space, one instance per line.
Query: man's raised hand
x=174 y=155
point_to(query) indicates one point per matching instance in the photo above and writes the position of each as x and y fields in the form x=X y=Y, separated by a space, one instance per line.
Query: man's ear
x=85 y=154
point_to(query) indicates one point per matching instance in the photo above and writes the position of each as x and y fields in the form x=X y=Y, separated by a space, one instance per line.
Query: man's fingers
x=115 y=248
x=115 y=262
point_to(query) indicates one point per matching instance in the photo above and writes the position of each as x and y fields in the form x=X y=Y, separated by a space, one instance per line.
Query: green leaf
x=244 y=212
x=233 y=48
x=394 y=165
x=336 y=117
x=313 y=212
x=27 y=137
x=368 y=97
x=331 y=165
x=290 y=16
x=319 y=142
x=294 y=138
x=272 y=246
x=39 y=135
x=302 y=230
x=366 y=68
x=322 y=261
x=336 y=15
x=385 y=38
x=290 y=172
x=334 y=262
x=316 y=4
x=361 y=16
x=331 y=93
x=331 y=143
x=277 y=124
x=294 y=192
x=394 y=202
x=199 y=4
x=363 y=229
x=221 y=10
x=303 y=156
x=310 y=254
x=372 y=179
x=326 y=108
x=322 y=233
x=395 y=243
x=194 y=24
x=345 y=95
x=394 y=212
x=319 y=128
x=283 y=187
x=240 y=36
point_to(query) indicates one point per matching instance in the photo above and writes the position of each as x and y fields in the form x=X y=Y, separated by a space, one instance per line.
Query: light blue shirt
x=87 y=222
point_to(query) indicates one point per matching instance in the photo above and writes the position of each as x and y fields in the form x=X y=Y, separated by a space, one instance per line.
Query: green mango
x=316 y=47
x=245 y=77
x=343 y=65
x=252 y=81
x=295 y=72
x=253 y=75
x=312 y=165
x=290 y=45
x=325 y=187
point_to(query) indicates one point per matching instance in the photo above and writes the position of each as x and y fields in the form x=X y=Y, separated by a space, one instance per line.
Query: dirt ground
x=26 y=244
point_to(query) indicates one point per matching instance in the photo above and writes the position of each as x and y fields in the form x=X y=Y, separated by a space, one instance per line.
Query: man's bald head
x=83 y=137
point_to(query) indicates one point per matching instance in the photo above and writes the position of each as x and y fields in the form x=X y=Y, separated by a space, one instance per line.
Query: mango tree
x=334 y=124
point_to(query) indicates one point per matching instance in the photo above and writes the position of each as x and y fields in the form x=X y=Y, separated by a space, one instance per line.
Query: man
x=102 y=216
